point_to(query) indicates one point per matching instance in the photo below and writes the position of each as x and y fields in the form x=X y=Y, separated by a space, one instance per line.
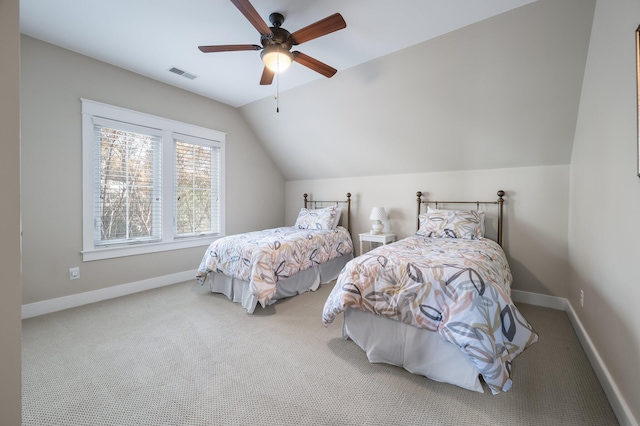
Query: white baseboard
x=618 y=404
x=536 y=299
x=61 y=303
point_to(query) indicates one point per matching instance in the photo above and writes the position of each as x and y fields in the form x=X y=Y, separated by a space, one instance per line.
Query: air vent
x=182 y=73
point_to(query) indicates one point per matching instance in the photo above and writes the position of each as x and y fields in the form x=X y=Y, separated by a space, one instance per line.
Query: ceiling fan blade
x=229 y=48
x=314 y=64
x=267 y=77
x=324 y=26
x=252 y=16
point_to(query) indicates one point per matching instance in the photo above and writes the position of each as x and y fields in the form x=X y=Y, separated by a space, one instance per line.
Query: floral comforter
x=264 y=257
x=458 y=288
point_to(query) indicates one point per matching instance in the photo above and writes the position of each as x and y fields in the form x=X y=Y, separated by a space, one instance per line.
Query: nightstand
x=376 y=238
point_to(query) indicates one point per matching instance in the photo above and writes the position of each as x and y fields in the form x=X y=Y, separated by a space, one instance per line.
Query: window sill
x=136 y=249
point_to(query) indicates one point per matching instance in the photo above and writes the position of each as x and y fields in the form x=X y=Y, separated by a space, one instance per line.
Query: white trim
x=75 y=300
x=618 y=404
x=100 y=109
x=135 y=249
x=537 y=299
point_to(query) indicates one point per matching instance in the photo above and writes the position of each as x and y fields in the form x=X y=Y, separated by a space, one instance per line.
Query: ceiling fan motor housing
x=279 y=36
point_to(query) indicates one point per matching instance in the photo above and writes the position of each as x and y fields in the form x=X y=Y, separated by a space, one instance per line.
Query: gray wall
x=536 y=207
x=604 y=213
x=52 y=82
x=10 y=325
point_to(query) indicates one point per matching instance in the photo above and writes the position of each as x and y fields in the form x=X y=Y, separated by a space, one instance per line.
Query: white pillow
x=467 y=224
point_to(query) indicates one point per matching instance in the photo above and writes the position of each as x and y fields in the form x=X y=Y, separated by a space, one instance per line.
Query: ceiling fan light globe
x=276 y=58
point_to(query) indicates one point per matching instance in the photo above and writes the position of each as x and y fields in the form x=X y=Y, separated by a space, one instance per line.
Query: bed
x=436 y=303
x=262 y=267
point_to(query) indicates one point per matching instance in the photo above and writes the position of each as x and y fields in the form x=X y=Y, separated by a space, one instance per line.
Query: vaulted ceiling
x=500 y=93
x=150 y=37
x=421 y=85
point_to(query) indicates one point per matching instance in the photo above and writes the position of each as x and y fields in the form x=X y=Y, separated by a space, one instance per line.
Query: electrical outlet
x=74 y=273
x=582 y=298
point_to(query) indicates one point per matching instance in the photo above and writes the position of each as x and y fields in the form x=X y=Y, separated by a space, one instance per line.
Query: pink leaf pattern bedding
x=264 y=257
x=458 y=288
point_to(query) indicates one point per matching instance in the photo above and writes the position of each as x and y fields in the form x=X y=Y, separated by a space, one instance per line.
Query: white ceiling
x=149 y=37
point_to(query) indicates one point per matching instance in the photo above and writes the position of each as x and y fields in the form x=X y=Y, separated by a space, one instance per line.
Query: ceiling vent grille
x=182 y=73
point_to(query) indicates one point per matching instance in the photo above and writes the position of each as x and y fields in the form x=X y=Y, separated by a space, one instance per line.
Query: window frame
x=170 y=130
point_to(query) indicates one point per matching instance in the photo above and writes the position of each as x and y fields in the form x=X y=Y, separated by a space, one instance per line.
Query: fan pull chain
x=277 y=93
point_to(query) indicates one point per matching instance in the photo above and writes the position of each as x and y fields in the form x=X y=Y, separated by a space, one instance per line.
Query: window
x=127 y=183
x=149 y=184
x=197 y=188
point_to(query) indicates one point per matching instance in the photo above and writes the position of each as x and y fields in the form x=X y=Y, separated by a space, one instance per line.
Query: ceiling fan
x=276 y=42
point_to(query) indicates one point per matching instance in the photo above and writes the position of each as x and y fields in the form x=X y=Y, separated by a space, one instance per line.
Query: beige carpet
x=180 y=355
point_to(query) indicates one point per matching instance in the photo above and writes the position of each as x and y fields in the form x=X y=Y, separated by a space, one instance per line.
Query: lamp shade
x=378 y=213
x=276 y=58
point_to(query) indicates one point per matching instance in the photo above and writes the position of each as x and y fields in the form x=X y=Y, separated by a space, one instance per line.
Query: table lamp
x=377 y=216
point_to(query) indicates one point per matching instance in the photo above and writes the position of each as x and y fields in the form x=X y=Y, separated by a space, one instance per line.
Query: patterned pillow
x=467 y=224
x=316 y=218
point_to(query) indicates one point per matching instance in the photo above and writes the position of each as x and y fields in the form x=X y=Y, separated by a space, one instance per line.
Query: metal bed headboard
x=499 y=202
x=317 y=203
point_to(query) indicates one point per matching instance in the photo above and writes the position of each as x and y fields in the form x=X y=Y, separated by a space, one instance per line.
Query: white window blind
x=197 y=195
x=128 y=190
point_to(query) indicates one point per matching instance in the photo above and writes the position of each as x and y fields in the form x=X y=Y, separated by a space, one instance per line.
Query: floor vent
x=182 y=73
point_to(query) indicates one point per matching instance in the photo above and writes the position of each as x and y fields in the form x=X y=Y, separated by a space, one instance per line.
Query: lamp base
x=376 y=227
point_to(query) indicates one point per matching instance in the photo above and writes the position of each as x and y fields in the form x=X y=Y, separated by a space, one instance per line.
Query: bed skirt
x=238 y=290
x=416 y=350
